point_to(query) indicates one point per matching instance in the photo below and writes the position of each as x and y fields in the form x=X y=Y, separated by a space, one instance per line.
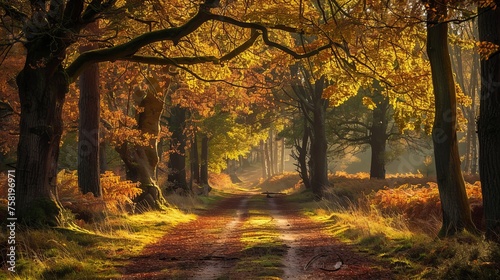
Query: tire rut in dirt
x=200 y=249
x=312 y=254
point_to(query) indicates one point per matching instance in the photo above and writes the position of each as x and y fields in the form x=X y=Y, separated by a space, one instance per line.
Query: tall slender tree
x=88 y=125
x=454 y=202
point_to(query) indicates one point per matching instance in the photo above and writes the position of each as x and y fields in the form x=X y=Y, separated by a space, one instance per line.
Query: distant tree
x=308 y=92
x=367 y=120
x=177 y=158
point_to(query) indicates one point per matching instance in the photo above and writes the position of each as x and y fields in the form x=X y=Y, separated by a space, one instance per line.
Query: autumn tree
x=43 y=82
x=367 y=120
x=454 y=203
x=489 y=117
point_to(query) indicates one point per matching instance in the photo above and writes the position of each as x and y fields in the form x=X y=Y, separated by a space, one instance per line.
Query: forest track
x=252 y=237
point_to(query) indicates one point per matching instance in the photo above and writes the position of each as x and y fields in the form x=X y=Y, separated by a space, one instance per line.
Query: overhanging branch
x=126 y=51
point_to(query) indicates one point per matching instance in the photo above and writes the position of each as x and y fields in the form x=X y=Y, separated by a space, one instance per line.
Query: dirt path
x=252 y=237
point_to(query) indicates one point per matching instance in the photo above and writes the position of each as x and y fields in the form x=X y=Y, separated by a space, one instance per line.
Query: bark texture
x=489 y=123
x=454 y=203
x=42 y=87
x=141 y=161
x=88 y=130
x=378 y=138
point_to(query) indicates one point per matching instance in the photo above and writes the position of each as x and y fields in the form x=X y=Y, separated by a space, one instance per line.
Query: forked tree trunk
x=141 y=161
x=42 y=87
x=454 y=203
x=489 y=123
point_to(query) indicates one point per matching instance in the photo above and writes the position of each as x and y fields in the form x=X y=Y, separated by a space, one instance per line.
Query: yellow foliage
x=486 y=49
x=368 y=102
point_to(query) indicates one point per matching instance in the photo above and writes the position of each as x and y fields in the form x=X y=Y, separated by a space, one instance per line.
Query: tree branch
x=127 y=50
x=12 y=12
x=131 y=47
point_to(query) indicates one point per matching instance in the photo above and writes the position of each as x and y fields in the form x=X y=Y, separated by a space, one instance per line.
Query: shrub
x=418 y=203
x=117 y=194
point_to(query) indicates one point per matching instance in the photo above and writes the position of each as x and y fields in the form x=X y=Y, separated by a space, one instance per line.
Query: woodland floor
x=251 y=236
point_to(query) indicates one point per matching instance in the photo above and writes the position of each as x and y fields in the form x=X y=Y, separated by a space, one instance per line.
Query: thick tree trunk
x=319 y=162
x=488 y=123
x=141 y=161
x=454 y=203
x=88 y=130
x=42 y=87
x=177 y=161
x=378 y=139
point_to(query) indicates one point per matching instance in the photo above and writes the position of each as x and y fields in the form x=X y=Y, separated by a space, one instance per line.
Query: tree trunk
x=271 y=152
x=282 y=156
x=454 y=203
x=141 y=161
x=267 y=159
x=88 y=128
x=204 y=163
x=302 y=156
x=42 y=87
x=103 y=164
x=378 y=138
x=195 y=162
x=275 y=152
x=263 y=159
x=319 y=163
x=488 y=123
x=177 y=161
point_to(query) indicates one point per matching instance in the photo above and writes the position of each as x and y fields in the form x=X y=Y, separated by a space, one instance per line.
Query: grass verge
x=95 y=252
x=263 y=249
